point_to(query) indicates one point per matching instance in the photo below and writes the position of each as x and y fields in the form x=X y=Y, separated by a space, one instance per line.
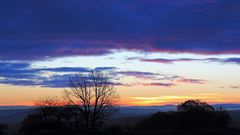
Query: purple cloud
x=149 y=84
x=195 y=81
x=160 y=84
x=170 y=61
x=234 y=87
x=37 y=30
x=138 y=74
x=232 y=60
x=23 y=74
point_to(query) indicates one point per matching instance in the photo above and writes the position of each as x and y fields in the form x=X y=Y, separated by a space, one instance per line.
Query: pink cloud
x=195 y=81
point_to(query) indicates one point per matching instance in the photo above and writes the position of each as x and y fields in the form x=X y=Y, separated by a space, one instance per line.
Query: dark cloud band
x=42 y=29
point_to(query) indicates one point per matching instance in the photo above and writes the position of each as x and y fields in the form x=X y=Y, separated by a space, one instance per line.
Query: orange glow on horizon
x=129 y=96
x=174 y=100
x=143 y=101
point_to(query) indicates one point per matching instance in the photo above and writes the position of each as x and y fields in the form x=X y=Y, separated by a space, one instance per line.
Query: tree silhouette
x=222 y=118
x=192 y=115
x=94 y=95
x=159 y=121
x=197 y=114
x=49 y=108
x=53 y=117
x=195 y=105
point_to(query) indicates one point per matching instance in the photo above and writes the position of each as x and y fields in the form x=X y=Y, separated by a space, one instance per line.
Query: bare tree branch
x=94 y=95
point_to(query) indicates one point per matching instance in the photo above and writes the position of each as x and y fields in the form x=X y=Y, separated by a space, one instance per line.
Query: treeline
x=192 y=117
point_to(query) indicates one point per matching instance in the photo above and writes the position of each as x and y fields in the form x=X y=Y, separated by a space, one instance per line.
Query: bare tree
x=95 y=97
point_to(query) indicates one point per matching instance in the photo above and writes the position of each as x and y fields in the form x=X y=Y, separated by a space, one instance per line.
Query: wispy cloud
x=194 y=81
x=23 y=74
x=138 y=74
x=159 y=84
x=170 y=61
x=234 y=87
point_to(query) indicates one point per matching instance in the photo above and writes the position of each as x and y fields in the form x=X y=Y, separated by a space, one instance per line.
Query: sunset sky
x=156 y=51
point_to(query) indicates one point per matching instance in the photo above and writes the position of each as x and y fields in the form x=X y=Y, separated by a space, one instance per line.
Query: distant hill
x=15 y=107
x=15 y=114
x=229 y=107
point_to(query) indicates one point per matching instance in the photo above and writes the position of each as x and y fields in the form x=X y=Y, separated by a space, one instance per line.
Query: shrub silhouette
x=222 y=118
x=35 y=124
x=190 y=115
x=195 y=106
x=196 y=114
x=159 y=121
x=51 y=120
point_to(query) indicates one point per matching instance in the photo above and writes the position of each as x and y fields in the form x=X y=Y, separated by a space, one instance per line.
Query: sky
x=156 y=52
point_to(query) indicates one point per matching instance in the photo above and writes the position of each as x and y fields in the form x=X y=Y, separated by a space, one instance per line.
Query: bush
x=191 y=115
x=159 y=121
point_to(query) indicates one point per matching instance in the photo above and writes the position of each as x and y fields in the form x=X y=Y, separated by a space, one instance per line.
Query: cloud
x=23 y=74
x=138 y=74
x=147 y=75
x=195 y=81
x=45 y=29
x=170 y=61
x=234 y=87
x=168 y=80
x=232 y=60
x=105 y=68
x=154 y=84
x=160 y=84
x=16 y=73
